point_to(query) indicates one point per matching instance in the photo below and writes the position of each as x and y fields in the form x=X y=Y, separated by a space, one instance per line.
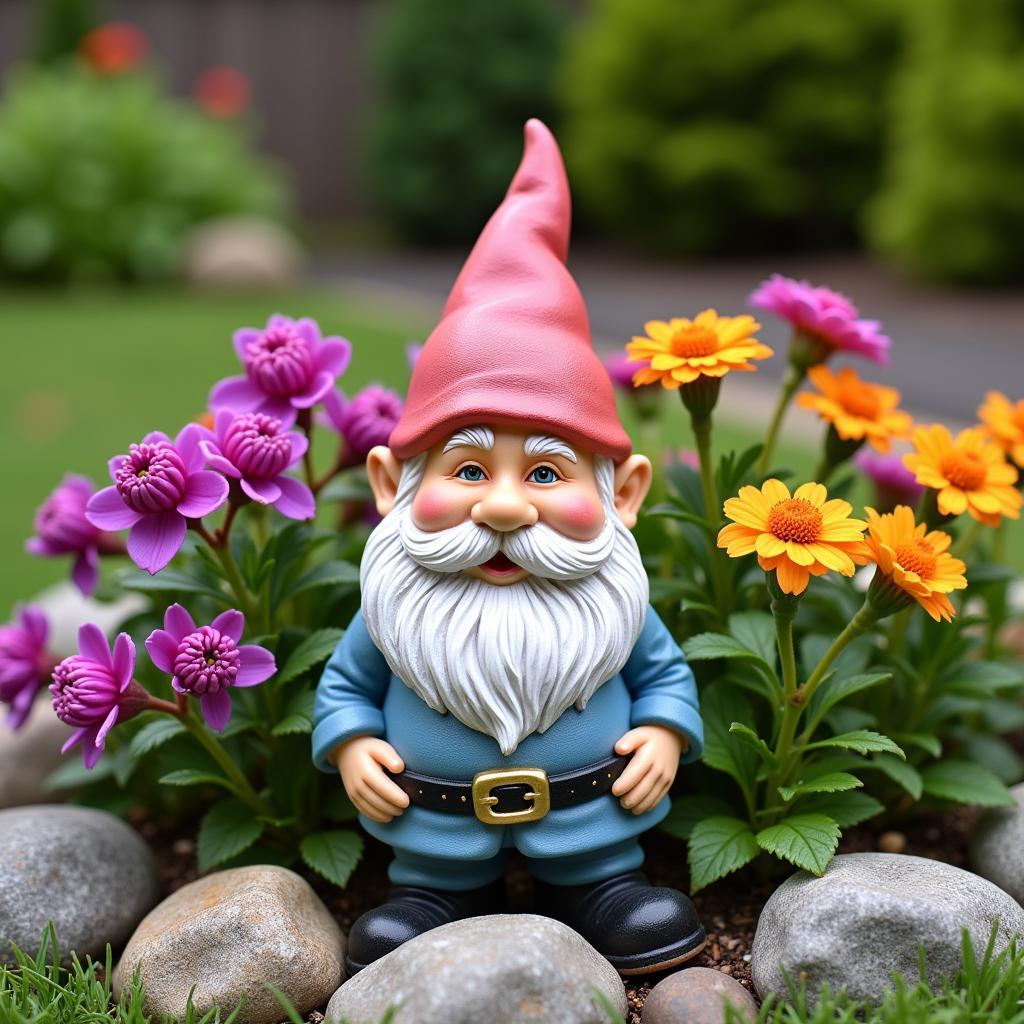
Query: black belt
x=511 y=796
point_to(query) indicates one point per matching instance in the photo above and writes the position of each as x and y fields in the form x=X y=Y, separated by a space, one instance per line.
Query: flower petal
x=238 y=393
x=106 y=510
x=205 y=492
x=76 y=737
x=243 y=338
x=92 y=644
x=124 y=660
x=217 y=461
x=216 y=709
x=230 y=623
x=296 y=500
x=333 y=355
x=257 y=665
x=162 y=649
x=108 y=723
x=91 y=751
x=187 y=445
x=263 y=491
x=85 y=570
x=154 y=540
x=178 y=622
x=321 y=383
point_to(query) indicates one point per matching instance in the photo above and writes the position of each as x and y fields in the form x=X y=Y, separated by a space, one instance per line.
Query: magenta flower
x=255 y=449
x=207 y=660
x=894 y=483
x=365 y=420
x=828 y=316
x=158 y=486
x=94 y=690
x=287 y=367
x=25 y=663
x=621 y=369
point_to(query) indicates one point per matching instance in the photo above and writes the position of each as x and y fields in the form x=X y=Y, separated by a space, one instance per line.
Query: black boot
x=639 y=928
x=411 y=911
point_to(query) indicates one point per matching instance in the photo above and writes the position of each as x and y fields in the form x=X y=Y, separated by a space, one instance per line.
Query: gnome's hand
x=652 y=768
x=361 y=762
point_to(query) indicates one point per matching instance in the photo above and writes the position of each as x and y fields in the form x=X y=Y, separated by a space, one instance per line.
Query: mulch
x=729 y=908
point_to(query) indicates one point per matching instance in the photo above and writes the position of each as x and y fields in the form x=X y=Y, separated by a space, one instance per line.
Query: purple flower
x=894 y=483
x=158 y=485
x=25 y=663
x=287 y=367
x=62 y=529
x=828 y=316
x=256 y=449
x=93 y=691
x=621 y=369
x=207 y=660
x=365 y=420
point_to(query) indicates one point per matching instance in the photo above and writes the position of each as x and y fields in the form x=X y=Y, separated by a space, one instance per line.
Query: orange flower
x=680 y=351
x=113 y=48
x=1004 y=423
x=858 y=410
x=914 y=560
x=970 y=473
x=800 y=536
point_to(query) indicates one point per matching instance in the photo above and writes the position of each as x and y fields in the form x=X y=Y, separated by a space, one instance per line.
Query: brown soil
x=729 y=909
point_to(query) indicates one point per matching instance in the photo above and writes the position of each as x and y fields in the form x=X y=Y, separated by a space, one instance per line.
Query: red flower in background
x=222 y=92
x=113 y=48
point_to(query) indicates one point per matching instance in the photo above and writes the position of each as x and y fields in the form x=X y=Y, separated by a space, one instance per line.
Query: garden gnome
x=506 y=684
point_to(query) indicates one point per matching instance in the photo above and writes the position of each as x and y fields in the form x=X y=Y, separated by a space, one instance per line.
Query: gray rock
x=67 y=609
x=242 y=252
x=85 y=870
x=865 y=919
x=29 y=755
x=997 y=846
x=501 y=969
x=231 y=934
x=697 y=995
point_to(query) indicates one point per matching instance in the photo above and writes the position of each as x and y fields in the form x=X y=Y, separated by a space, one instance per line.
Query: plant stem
x=787 y=656
x=234 y=577
x=164 y=706
x=967 y=539
x=790 y=384
x=712 y=510
x=865 y=618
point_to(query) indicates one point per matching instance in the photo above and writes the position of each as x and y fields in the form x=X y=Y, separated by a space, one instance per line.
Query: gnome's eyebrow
x=471 y=437
x=543 y=444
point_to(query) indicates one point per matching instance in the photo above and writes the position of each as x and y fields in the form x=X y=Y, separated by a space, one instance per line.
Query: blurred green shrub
x=102 y=176
x=457 y=79
x=59 y=27
x=952 y=203
x=717 y=125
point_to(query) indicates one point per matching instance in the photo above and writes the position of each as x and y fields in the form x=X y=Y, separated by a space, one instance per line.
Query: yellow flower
x=858 y=410
x=1004 y=423
x=800 y=536
x=970 y=473
x=915 y=560
x=681 y=350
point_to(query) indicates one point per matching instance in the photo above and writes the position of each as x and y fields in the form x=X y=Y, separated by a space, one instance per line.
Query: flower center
x=917 y=556
x=83 y=691
x=151 y=478
x=965 y=470
x=691 y=341
x=256 y=446
x=279 y=362
x=862 y=402
x=795 y=519
x=206 y=661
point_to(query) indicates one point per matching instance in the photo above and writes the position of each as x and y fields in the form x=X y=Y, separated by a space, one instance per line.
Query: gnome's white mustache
x=539 y=549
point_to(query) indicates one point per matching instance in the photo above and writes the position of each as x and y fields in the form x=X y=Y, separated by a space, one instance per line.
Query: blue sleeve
x=350 y=694
x=662 y=686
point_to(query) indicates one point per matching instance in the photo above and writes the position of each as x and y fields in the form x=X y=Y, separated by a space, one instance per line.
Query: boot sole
x=661 y=959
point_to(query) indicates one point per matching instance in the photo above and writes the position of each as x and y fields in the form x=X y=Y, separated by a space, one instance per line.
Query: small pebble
x=184 y=847
x=892 y=842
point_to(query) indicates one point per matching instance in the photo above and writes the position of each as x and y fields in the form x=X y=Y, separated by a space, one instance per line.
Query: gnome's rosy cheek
x=436 y=507
x=578 y=516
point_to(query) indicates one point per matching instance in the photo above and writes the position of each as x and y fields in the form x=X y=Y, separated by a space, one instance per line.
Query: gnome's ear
x=632 y=482
x=384 y=472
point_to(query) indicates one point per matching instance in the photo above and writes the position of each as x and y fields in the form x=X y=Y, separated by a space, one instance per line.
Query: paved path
x=949 y=347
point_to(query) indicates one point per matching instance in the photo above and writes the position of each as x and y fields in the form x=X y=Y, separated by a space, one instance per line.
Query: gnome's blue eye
x=472 y=473
x=542 y=475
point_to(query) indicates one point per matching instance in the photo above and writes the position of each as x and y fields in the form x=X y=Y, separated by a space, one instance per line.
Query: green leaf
x=720 y=706
x=298 y=715
x=996 y=755
x=752 y=740
x=833 y=782
x=708 y=646
x=901 y=773
x=719 y=846
x=328 y=574
x=981 y=679
x=838 y=688
x=666 y=510
x=333 y=854
x=925 y=741
x=756 y=632
x=229 y=828
x=807 y=840
x=316 y=647
x=965 y=783
x=192 y=777
x=240 y=722
x=687 y=811
x=154 y=734
x=173 y=581
x=864 y=741
x=847 y=809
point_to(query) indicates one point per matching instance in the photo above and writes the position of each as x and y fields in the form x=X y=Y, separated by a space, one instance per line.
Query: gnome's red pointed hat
x=513 y=345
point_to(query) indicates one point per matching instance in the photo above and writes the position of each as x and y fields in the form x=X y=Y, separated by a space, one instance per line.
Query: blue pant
x=458 y=875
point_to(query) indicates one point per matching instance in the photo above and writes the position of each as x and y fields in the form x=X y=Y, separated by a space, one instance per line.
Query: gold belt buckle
x=538 y=797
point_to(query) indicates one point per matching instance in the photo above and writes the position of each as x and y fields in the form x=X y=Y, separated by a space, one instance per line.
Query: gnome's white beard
x=507 y=660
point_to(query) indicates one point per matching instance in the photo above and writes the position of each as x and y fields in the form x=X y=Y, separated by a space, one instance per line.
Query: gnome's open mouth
x=500 y=565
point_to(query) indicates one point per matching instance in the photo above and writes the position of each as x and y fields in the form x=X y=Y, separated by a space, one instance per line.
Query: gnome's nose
x=505 y=507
